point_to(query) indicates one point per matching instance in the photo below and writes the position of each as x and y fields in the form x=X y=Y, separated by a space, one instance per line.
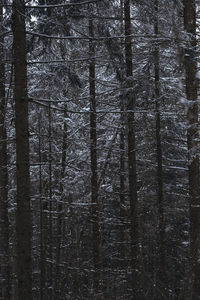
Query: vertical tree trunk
x=192 y=140
x=93 y=154
x=122 y=186
x=122 y=163
x=23 y=214
x=42 y=234
x=60 y=209
x=177 y=22
x=43 y=245
x=161 y=230
x=50 y=233
x=4 y=223
x=132 y=155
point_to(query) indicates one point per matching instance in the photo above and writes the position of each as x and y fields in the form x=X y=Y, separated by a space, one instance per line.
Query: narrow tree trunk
x=60 y=210
x=94 y=182
x=42 y=244
x=50 y=275
x=132 y=155
x=23 y=214
x=122 y=186
x=122 y=164
x=177 y=22
x=4 y=223
x=161 y=231
x=192 y=141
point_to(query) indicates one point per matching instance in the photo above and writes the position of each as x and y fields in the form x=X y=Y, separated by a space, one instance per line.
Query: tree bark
x=50 y=233
x=23 y=213
x=190 y=63
x=161 y=229
x=42 y=218
x=4 y=223
x=93 y=155
x=60 y=209
x=122 y=164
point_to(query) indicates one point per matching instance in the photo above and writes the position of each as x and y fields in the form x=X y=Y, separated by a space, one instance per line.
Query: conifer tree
x=23 y=213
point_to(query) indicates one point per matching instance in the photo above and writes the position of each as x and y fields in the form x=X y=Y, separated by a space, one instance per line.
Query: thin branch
x=63 y=60
x=36 y=101
x=152 y=37
x=62 y=4
x=155 y=286
x=5 y=33
x=54 y=5
x=56 y=37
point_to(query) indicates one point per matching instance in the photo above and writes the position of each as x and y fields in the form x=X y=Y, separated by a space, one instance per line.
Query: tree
x=132 y=169
x=4 y=223
x=23 y=213
x=161 y=230
x=190 y=64
x=93 y=155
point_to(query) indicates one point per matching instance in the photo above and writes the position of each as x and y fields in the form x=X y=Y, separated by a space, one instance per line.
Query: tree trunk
x=4 y=223
x=42 y=227
x=161 y=229
x=23 y=214
x=132 y=155
x=93 y=154
x=192 y=141
x=50 y=233
x=122 y=187
x=122 y=164
x=60 y=209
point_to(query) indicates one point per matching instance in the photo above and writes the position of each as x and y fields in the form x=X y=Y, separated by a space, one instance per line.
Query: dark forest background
x=99 y=150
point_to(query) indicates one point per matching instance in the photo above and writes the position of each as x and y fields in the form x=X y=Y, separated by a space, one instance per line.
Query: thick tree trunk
x=93 y=154
x=161 y=229
x=132 y=156
x=192 y=141
x=4 y=223
x=23 y=214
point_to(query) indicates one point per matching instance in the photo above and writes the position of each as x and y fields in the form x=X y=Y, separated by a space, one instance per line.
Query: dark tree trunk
x=50 y=233
x=42 y=218
x=4 y=223
x=132 y=155
x=43 y=245
x=93 y=154
x=161 y=229
x=192 y=141
x=60 y=208
x=122 y=164
x=23 y=214
x=122 y=186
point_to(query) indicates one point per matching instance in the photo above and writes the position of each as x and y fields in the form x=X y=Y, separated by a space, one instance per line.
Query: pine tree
x=23 y=214
x=132 y=168
x=4 y=223
x=190 y=64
